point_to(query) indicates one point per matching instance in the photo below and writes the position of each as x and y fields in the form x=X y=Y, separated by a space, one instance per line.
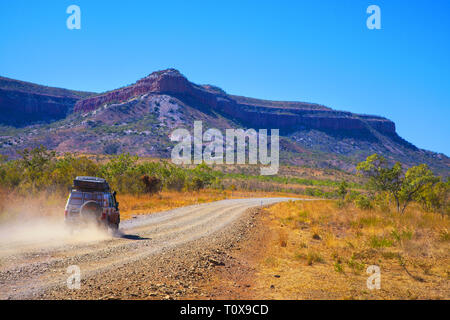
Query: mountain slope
x=139 y=118
x=23 y=103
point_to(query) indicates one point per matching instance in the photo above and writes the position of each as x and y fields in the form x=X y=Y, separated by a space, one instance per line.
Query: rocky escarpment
x=22 y=103
x=140 y=118
x=289 y=116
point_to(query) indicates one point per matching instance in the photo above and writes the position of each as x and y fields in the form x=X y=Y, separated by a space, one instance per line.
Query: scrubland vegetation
x=44 y=178
x=40 y=170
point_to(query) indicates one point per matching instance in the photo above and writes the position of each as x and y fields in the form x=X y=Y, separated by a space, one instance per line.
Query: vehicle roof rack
x=90 y=184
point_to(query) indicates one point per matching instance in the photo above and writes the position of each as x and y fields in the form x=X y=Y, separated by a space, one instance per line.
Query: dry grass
x=325 y=251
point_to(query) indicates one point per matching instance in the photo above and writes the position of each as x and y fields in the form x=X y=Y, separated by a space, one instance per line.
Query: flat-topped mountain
x=288 y=116
x=140 y=117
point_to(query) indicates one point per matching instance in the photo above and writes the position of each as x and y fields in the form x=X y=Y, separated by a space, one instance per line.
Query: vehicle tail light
x=65 y=213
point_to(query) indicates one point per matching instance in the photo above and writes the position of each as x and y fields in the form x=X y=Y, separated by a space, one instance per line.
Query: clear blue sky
x=315 y=51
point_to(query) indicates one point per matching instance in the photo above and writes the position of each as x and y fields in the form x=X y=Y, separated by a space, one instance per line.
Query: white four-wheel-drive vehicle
x=91 y=201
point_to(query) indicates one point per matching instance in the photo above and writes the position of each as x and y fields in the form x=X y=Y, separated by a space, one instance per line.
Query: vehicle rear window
x=77 y=198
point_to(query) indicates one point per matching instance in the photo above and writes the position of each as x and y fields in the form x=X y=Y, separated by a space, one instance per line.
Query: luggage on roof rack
x=90 y=184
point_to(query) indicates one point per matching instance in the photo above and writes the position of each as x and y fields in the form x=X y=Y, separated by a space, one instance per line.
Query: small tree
x=342 y=189
x=381 y=177
x=403 y=188
x=36 y=165
x=417 y=179
x=202 y=176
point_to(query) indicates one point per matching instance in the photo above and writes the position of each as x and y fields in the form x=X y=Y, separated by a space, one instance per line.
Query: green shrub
x=363 y=202
x=436 y=198
x=313 y=257
x=356 y=266
x=380 y=242
x=403 y=235
x=342 y=190
x=338 y=267
x=383 y=201
x=351 y=196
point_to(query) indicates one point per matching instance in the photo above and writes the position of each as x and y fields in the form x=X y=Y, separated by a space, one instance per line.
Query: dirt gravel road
x=156 y=256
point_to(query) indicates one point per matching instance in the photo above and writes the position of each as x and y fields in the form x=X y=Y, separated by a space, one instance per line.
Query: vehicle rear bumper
x=77 y=219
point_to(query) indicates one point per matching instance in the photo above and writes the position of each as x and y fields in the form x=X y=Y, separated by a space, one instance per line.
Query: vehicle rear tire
x=114 y=226
x=91 y=212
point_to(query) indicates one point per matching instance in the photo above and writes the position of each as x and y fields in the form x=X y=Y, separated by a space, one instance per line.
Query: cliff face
x=288 y=116
x=140 y=118
x=23 y=103
x=164 y=82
